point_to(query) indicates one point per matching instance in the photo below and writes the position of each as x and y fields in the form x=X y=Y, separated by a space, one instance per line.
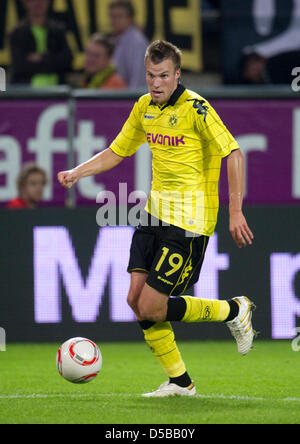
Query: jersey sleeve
x=212 y=130
x=132 y=135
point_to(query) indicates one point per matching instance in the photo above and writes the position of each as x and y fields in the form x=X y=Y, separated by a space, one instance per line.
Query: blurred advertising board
x=268 y=132
x=63 y=276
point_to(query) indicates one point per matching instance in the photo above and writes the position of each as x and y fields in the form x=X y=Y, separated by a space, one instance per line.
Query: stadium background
x=61 y=275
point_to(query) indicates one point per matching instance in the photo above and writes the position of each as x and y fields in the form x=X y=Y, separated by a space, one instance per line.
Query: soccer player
x=188 y=141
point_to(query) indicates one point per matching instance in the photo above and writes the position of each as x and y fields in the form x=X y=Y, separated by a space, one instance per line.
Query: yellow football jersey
x=188 y=141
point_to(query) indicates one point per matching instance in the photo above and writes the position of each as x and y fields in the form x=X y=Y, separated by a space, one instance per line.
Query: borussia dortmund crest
x=173 y=120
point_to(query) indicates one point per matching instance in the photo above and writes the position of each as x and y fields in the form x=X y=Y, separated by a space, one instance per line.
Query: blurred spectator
x=272 y=60
x=30 y=182
x=256 y=69
x=100 y=72
x=130 y=44
x=253 y=69
x=39 y=50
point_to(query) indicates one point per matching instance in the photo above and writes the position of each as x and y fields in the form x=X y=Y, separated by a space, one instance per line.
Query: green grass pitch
x=262 y=387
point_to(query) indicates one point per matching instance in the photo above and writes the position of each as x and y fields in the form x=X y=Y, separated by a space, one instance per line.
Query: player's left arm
x=219 y=141
x=238 y=227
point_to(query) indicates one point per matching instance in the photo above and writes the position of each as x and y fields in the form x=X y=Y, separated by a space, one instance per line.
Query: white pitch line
x=128 y=395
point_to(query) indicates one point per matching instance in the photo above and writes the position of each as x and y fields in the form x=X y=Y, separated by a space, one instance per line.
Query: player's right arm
x=125 y=144
x=104 y=161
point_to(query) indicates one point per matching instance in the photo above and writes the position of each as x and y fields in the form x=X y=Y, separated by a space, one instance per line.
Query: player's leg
x=155 y=310
x=137 y=282
x=179 y=258
x=236 y=313
x=157 y=307
x=171 y=267
x=159 y=336
x=175 y=268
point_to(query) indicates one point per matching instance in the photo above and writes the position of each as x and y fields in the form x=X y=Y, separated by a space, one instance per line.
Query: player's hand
x=67 y=178
x=240 y=232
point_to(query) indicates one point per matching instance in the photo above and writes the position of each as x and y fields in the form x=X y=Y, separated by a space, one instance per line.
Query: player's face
x=162 y=80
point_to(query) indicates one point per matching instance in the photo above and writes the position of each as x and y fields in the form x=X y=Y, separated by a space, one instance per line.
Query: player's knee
x=148 y=312
x=152 y=305
x=132 y=301
x=148 y=315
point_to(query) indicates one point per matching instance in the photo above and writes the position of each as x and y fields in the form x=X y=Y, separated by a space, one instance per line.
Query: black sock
x=234 y=310
x=176 y=309
x=183 y=380
x=146 y=324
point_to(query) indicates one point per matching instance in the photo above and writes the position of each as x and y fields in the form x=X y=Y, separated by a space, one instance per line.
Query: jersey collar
x=174 y=97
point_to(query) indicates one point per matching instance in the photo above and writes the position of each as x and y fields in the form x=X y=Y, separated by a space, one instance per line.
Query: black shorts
x=172 y=260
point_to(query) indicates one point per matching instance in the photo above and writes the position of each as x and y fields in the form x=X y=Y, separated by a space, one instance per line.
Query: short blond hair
x=161 y=50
